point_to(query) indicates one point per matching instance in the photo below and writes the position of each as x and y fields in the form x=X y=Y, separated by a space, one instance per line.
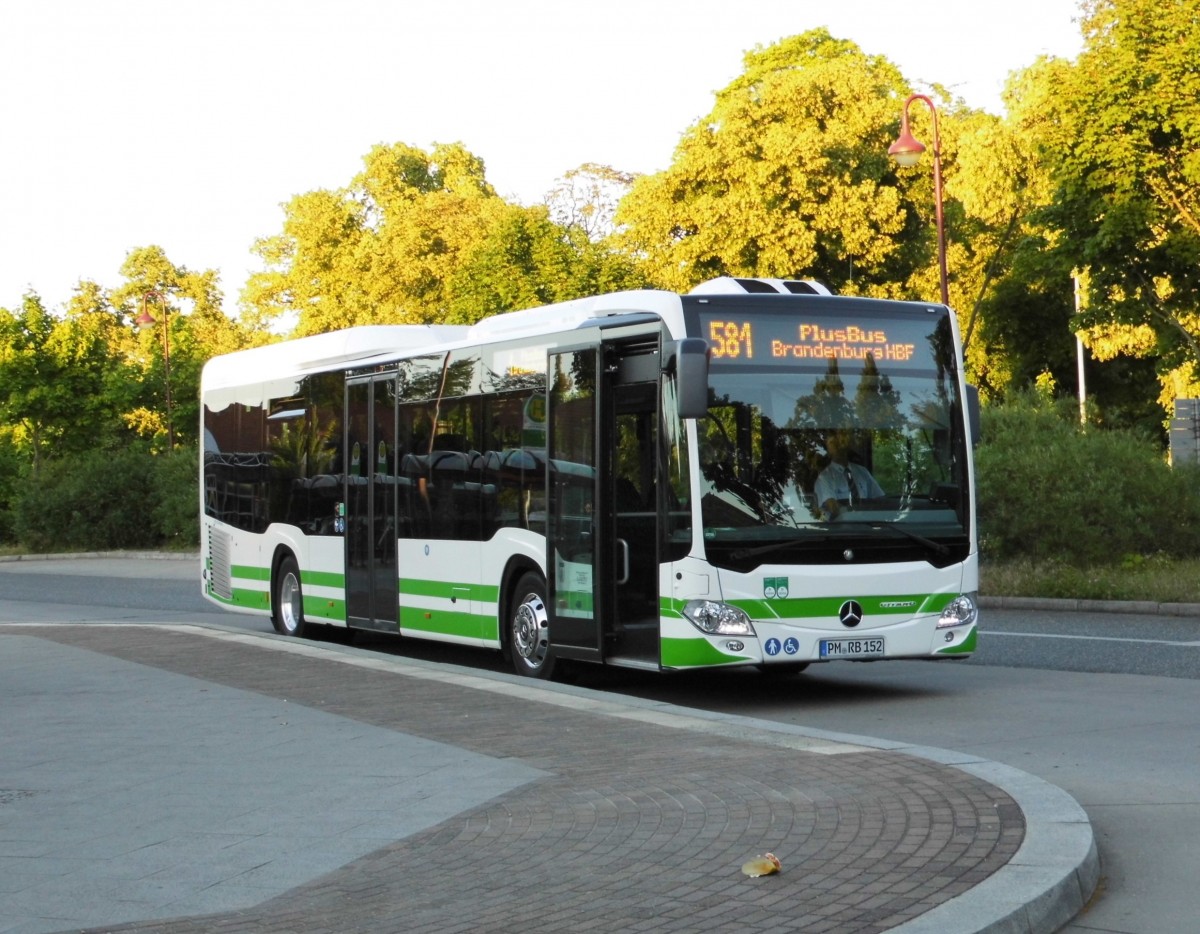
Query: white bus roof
x=325 y=351
x=567 y=315
x=360 y=345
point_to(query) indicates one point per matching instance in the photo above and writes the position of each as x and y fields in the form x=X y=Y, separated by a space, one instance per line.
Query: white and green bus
x=754 y=473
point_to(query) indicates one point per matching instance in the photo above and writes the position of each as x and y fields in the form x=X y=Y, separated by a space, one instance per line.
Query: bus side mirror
x=688 y=357
x=973 y=418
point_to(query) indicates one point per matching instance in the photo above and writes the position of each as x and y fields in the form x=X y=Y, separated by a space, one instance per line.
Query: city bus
x=755 y=473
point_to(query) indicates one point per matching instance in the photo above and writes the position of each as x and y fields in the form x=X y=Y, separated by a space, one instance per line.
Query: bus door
x=602 y=507
x=575 y=530
x=629 y=442
x=370 y=499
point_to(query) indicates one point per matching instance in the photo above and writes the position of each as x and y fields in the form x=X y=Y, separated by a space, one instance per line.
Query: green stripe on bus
x=323 y=578
x=447 y=623
x=963 y=648
x=246 y=572
x=254 y=599
x=485 y=593
x=324 y=608
x=692 y=653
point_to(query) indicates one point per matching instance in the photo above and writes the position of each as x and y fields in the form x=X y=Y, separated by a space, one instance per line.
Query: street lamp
x=146 y=320
x=907 y=152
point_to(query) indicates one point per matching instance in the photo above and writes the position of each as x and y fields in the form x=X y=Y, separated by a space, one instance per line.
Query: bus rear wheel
x=529 y=629
x=288 y=603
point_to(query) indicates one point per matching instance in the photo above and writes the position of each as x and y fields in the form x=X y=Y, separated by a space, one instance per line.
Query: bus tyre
x=529 y=629
x=288 y=603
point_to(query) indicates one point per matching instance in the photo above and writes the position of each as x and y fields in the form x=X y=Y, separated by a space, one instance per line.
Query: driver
x=841 y=484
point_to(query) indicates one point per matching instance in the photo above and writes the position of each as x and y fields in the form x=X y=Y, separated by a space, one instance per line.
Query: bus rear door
x=370 y=499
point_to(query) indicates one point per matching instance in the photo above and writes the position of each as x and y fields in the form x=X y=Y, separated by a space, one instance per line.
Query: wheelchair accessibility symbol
x=791 y=646
x=772 y=647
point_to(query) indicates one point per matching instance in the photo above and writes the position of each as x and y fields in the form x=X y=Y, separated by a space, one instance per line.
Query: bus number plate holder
x=868 y=647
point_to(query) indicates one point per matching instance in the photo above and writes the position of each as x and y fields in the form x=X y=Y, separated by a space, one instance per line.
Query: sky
x=189 y=123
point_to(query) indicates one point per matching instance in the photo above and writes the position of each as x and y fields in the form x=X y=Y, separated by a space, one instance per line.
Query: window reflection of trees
x=899 y=427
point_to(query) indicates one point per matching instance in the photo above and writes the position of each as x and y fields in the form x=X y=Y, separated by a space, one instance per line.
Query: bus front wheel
x=529 y=629
x=288 y=615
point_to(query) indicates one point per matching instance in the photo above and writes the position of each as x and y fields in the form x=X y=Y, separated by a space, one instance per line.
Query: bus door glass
x=629 y=445
x=371 y=503
x=573 y=531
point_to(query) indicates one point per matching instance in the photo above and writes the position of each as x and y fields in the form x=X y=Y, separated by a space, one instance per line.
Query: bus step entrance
x=635 y=641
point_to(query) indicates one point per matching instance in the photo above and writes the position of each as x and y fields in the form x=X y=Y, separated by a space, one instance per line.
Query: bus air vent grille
x=218 y=562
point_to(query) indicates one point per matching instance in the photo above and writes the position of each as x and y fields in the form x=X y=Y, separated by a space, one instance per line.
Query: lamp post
x=146 y=320
x=907 y=152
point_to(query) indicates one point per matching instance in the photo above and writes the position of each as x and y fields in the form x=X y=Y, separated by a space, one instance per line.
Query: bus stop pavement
x=187 y=778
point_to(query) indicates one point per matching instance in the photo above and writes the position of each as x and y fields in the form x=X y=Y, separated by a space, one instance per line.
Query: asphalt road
x=1103 y=705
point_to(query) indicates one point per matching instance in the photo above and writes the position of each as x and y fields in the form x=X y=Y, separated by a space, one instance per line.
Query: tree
x=420 y=238
x=189 y=322
x=525 y=259
x=1018 y=321
x=787 y=175
x=1122 y=141
x=54 y=379
x=380 y=250
x=586 y=199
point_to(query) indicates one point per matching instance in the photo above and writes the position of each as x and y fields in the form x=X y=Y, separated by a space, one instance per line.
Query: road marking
x=1054 y=635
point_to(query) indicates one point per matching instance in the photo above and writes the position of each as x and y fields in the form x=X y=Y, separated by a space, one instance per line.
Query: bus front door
x=370 y=499
x=602 y=506
x=629 y=436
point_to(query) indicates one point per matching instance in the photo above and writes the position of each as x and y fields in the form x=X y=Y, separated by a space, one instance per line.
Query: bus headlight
x=960 y=611
x=718 y=618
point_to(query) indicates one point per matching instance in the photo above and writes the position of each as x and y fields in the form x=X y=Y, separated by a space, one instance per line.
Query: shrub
x=10 y=473
x=106 y=500
x=177 y=504
x=1051 y=490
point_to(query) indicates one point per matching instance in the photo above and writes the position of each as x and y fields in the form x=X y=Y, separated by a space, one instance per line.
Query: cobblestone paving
x=641 y=827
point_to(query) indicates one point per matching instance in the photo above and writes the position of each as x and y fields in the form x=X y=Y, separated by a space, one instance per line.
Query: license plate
x=852 y=648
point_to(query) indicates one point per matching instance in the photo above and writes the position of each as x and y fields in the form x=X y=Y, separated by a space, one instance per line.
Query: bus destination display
x=772 y=340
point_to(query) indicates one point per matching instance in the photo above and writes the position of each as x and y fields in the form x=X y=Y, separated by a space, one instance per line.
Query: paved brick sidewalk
x=641 y=823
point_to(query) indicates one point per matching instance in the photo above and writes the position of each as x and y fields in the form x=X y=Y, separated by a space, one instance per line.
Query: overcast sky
x=187 y=123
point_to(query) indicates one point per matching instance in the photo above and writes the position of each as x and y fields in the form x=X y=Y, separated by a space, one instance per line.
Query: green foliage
x=1119 y=134
x=55 y=374
x=11 y=464
x=787 y=175
x=1050 y=490
x=421 y=238
x=109 y=500
x=189 y=327
x=525 y=259
x=176 y=511
x=1156 y=579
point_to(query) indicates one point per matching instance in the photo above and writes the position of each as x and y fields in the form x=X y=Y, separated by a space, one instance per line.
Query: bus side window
x=414 y=506
x=454 y=494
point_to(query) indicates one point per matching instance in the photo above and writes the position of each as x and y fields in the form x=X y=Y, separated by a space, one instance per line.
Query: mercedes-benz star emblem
x=851 y=613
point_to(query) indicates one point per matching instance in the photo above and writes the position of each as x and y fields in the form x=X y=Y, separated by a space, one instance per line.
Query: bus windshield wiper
x=936 y=547
x=738 y=553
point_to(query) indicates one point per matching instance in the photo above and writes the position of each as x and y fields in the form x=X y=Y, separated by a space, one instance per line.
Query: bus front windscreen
x=831 y=437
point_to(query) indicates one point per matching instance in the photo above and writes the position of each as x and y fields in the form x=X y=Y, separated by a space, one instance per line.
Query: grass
x=1157 y=579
